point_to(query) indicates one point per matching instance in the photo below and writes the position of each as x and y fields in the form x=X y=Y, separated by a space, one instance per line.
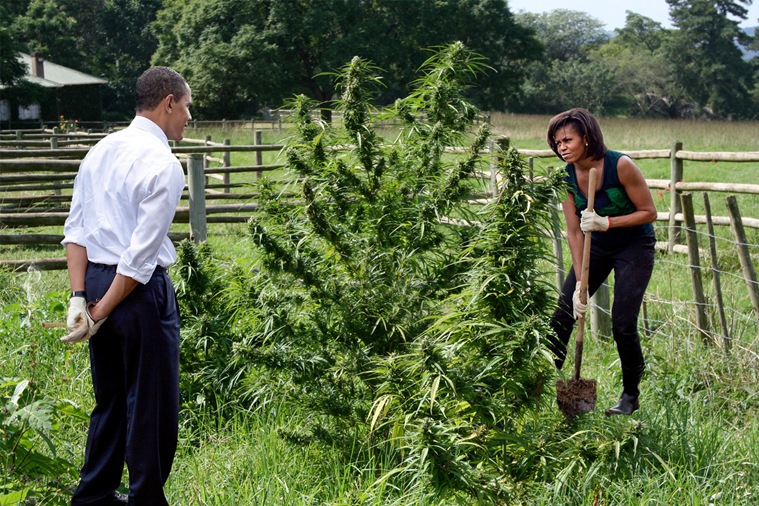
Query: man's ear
x=168 y=102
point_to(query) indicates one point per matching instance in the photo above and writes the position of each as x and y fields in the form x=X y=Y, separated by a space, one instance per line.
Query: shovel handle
x=592 y=176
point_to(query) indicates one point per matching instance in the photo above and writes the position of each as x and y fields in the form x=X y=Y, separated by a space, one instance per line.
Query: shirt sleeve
x=155 y=212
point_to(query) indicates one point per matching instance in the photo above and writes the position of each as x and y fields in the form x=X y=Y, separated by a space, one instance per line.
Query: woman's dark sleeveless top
x=610 y=200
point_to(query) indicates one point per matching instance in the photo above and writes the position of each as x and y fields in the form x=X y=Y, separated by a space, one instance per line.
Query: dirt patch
x=576 y=396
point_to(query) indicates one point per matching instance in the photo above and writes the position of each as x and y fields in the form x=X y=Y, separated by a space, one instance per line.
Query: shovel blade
x=576 y=396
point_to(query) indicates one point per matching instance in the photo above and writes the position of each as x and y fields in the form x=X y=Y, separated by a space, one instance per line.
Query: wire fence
x=670 y=312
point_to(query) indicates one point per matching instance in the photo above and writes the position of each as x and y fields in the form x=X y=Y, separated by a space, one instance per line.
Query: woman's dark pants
x=632 y=265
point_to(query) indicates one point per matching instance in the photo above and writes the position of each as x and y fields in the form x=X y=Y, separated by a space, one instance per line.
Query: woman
x=623 y=241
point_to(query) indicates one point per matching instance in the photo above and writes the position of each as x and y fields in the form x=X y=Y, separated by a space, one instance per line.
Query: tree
x=13 y=86
x=12 y=70
x=560 y=85
x=642 y=71
x=239 y=54
x=708 y=62
x=565 y=34
x=108 y=38
x=118 y=51
x=45 y=27
x=567 y=77
x=641 y=32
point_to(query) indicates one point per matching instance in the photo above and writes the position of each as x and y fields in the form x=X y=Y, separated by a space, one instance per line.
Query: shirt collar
x=143 y=123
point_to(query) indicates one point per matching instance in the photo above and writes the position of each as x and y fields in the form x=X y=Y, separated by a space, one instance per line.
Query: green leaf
x=12 y=404
x=15 y=497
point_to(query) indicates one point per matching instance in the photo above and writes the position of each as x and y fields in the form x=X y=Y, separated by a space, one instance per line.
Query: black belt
x=112 y=268
x=105 y=267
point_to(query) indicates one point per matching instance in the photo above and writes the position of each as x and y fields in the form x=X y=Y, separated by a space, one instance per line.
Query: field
x=695 y=440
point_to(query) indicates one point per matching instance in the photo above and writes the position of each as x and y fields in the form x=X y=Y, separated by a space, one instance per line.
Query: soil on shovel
x=576 y=396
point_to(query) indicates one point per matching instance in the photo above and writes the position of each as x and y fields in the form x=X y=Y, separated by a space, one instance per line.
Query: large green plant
x=390 y=308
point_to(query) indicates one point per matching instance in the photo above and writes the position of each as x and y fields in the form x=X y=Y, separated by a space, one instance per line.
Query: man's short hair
x=157 y=83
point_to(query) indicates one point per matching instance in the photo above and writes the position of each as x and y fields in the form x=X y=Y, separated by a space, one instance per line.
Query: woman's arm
x=640 y=195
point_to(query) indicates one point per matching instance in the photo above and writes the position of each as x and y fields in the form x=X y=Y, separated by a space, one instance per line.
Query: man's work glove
x=591 y=222
x=578 y=308
x=86 y=327
x=76 y=321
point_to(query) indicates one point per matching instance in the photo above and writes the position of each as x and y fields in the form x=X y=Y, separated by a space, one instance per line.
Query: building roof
x=57 y=76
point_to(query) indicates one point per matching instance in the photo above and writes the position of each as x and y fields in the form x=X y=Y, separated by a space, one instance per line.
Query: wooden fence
x=40 y=179
x=36 y=184
x=680 y=217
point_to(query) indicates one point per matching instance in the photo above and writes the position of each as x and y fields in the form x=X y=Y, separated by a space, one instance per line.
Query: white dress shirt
x=125 y=196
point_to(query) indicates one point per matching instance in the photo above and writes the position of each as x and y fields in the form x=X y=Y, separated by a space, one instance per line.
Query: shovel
x=578 y=396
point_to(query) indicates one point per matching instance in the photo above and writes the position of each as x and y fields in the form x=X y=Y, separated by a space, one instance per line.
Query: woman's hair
x=157 y=83
x=585 y=124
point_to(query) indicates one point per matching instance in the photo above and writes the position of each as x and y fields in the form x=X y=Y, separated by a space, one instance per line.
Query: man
x=122 y=300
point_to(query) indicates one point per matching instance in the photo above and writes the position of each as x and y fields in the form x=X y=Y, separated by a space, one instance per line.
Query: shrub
x=388 y=306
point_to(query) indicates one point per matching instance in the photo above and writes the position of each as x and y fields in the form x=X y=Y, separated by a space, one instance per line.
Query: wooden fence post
x=675 y=176
x=257 y=141
x=502 y=144
x=715 y=275
x=226 y=163
x=646 y=326
x=558 y=250
x=736 y=224
x=196 y=185
x=493 y=168
x=689 y=221
x=600 y=312
x=56 y=185
x=531 y=175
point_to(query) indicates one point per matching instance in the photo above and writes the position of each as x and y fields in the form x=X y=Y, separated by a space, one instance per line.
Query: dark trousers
x=134 y=359
x=633 y=265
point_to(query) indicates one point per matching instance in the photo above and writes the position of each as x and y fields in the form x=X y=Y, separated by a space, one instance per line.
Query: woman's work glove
x=578 y=308
x=591 y=222
x=85 y=327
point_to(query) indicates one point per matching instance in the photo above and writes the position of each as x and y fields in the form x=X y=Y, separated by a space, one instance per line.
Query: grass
x=695 y=440
x=529 y=132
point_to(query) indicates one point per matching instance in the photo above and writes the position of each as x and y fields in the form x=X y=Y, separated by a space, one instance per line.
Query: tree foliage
x=568 y=76
x=119 y=51
x=47 y=28
x=709 y=65
x=107 y=38
x=13 y=86
x=642 y=69
x=566 y=34
x=240 y=54
x=11 y=69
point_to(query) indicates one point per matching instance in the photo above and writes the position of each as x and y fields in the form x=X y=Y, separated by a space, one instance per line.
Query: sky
x=612 y=13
